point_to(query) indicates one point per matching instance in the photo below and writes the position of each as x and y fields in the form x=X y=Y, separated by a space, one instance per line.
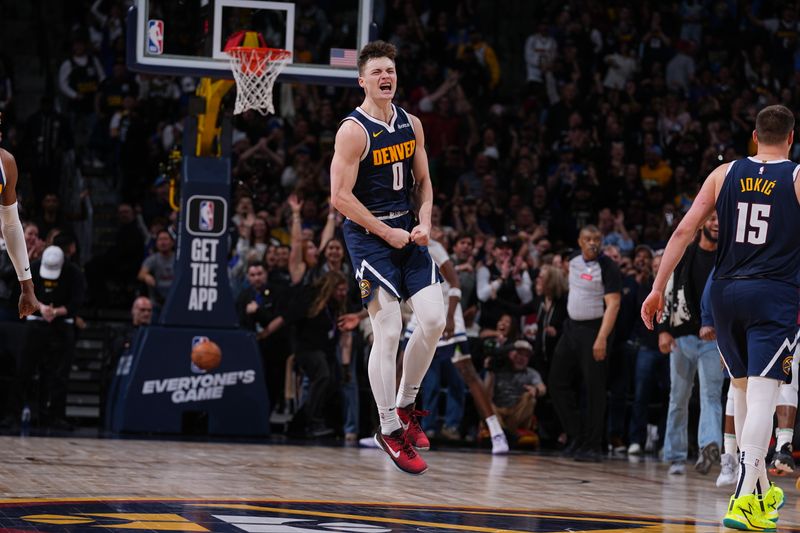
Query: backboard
x=187 y=37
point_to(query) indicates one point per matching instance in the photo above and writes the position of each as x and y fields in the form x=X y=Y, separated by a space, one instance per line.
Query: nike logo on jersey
x=375 y=134
x=27 y=268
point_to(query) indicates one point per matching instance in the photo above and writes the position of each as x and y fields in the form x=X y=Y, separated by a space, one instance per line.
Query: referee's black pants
x=573 y=367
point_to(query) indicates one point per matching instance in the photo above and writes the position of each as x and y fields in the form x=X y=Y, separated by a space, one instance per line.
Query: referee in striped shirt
x=592 y=306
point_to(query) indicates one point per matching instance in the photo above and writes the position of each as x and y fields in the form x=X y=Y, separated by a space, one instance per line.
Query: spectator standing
x=464 y=263
x=592 y=307
x=158 y=270
x=47 y=138
x=614 y=232
x=260 y=306
x=314 y=311
x=622 y=351
x=678 y=335
x=505 y=279
x=540 y=51
x=79 y=79
x=621 y=66
x=651 y=371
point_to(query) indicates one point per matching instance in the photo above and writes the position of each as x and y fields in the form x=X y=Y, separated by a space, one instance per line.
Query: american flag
x=343 y=57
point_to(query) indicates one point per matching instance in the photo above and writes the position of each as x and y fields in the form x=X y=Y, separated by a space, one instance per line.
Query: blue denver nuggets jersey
x=759 y=217
x=384 y=179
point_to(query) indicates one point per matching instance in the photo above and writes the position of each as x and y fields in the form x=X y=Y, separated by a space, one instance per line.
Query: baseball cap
x=520 y=344
x=503 y=242
x=52 y=261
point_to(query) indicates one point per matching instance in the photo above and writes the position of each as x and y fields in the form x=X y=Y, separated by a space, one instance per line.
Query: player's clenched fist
x=421 y=235
x=397 y=237
x=27 y=303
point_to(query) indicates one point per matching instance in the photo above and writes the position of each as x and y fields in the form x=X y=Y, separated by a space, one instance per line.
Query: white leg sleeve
x=387 y=324
x=762 y=393
x=738 y=390
x=15 y=240
x=428 y=306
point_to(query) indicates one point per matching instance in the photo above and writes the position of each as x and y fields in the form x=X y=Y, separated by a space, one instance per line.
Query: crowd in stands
x=601 y=113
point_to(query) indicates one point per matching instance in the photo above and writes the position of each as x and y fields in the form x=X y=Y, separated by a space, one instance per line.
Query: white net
x=255 y=70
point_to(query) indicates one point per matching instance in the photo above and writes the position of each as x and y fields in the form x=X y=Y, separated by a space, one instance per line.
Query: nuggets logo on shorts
x=787 y=365
x=365 y=287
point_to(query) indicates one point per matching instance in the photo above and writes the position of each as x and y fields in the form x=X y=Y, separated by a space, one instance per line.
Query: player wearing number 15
x=753 y=294
x=378 y=146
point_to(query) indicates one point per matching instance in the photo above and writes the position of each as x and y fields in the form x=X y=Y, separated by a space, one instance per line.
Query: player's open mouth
x=385 y=87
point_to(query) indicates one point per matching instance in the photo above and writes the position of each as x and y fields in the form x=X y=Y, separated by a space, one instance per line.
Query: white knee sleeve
x=738 y=390
x=428 y=306
x=762 y=393
x=387 y=323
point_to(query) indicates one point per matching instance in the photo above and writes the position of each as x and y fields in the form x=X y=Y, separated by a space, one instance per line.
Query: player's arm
x=350 y=144
x=702 y=208
x=448 y=272
x=15 y=236
x=612 y=303
x=423 y=191
x=297 y=267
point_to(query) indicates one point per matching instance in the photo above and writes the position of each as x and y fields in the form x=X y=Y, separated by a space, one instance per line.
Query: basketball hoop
x=255 y=70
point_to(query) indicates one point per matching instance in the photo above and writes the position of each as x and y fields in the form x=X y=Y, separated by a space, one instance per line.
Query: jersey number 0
x=753 y=222
x=397 y=173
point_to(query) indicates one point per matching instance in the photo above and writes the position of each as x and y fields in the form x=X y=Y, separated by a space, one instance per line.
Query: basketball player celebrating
x=753 y=296
x=11 y=228
x=379 y=168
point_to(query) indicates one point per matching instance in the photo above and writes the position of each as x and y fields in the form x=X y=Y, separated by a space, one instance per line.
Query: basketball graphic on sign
x=206 y=354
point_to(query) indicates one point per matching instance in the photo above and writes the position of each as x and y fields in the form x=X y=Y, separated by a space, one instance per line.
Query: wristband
x=454 y=292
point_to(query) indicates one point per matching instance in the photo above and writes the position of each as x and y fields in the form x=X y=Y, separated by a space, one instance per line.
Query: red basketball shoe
x=409 y=418
x=401 y=452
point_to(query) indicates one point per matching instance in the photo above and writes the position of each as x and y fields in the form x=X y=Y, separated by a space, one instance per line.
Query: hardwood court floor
x=190 y=486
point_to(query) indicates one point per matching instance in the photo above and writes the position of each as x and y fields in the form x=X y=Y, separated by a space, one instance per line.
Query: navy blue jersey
x=759 y=222
x=384 y=179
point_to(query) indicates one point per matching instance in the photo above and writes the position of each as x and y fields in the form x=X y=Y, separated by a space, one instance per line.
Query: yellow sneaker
x=773 y=500
x=745 y=514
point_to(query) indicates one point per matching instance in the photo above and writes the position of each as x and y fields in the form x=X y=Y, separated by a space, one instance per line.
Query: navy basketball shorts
x=756 y=324
x=402 y=272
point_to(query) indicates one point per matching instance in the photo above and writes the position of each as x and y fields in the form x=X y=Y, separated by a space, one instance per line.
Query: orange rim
x=251 y=59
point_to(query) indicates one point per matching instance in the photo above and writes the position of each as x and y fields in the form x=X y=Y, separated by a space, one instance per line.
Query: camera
x=493 y=349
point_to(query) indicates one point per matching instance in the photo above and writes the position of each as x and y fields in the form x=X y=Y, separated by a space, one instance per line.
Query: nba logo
x=195 y=341
x=206 y=215
x=155 y=36
x=198 y=339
